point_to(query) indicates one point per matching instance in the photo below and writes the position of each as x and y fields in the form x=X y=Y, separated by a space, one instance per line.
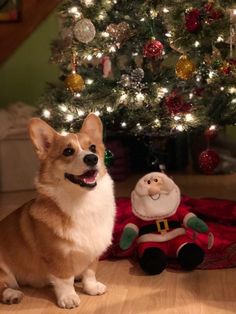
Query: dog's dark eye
x=149 y=182
x=155 y=180
x=68 y=151
x=92 y=148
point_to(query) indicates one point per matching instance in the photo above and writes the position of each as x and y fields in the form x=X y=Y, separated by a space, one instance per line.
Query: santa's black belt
x=159 y=226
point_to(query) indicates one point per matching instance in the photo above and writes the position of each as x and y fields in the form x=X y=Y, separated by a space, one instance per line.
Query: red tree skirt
x=220 y=215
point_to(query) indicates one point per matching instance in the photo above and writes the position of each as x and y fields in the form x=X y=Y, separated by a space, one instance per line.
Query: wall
x=23 y=75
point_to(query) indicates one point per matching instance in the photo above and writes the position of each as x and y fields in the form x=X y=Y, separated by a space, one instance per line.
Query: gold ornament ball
x=184 y=68
x=74 y=82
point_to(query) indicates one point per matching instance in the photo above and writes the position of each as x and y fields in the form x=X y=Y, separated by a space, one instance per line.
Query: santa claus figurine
x=159 y=225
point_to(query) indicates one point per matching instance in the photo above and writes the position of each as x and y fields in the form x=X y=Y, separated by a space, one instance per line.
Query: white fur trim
x=132 y=226
x=187 y=217
x=152 y=237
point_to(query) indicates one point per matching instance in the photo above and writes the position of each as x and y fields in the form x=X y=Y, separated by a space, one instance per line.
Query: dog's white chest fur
x=93 y=214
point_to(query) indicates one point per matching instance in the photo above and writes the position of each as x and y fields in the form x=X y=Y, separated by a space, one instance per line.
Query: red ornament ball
x=208 y=161
x=193 y=20
x=153 y=48
x=175 y=103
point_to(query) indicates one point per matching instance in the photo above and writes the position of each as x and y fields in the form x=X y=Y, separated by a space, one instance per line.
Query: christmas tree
x=146 y=67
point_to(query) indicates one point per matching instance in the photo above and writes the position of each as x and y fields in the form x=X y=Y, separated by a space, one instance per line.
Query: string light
x=197 y=44
x=168 y=35
x=139 y=126
x=123 y=124
x=140 y=97
x=112 y=49
x=63 y=108
x=109 y=109
x=89 y=3
x=232 y=90
x=212 y=127
x=189 y=117
x=165 y=10
x=177 y=118
x=89 y=57
x=99 y=54
x=190 y=95
x=80 y=112
x=101 y=15
x=74 y=11
x=105 y=34
x=77 y=95
x=234 y=101
x=211 y=74
x=220 y=39
x=157 y=122
x=142 y=19
x=46 y=113
x=222 y=88
x=97 y=113
x=123 y=97
x=89 y=81
x=180 y=127
x=153 y=14
x=69 y=117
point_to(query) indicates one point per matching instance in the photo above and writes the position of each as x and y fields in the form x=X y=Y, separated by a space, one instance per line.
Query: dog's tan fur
x=38 y=242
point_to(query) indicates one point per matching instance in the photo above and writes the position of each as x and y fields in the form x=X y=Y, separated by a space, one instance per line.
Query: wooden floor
x=129 y=290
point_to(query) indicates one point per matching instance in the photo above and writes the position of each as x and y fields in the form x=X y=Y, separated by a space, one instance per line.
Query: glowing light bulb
x=46 y=113
x=109 y=109
x=74 y=11
x=220 y=39
x=189 y=117
x=142 y=19
x=63 y=108
x=234 y=101
x=139 y=126
x=180 y=127
x=105 y=34
x=123 y=124
x=97 y=113
x=99 y=54
x=165 y=10
x=222 y=88
x=112 y=49
x=140 y=97
x=89 y=57
x=69 y=117
x=212 y=127
x=168 y=34
x=177 y=118
x=232 y=90
x=197 y=44
x=123 y=97
x=89 y=3
x=77 y=95
x=211 y=74
x=89 y=81
x=190 y=95
x=80 y=112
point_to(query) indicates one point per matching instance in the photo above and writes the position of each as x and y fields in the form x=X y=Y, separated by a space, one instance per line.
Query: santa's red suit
x=168 y=234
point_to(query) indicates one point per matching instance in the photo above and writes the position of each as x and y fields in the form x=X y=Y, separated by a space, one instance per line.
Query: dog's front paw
x=69 y=301
x=12 y=296
x=95 y=288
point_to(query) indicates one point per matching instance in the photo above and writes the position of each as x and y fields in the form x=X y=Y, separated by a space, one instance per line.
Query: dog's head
x=76 y=159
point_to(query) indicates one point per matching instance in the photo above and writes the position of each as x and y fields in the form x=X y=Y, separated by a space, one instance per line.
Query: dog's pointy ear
x=42 y=136
x=92 y=126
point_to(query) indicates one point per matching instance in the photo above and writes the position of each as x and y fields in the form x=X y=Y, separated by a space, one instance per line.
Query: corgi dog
x=60 y=234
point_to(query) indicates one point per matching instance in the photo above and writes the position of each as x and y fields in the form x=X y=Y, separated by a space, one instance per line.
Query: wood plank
x=33 y=12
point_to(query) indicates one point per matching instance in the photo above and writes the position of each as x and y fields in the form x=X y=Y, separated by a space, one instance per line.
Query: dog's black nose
x=91 y=160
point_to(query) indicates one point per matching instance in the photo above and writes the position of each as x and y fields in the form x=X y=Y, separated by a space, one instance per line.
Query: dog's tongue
x=89 y=176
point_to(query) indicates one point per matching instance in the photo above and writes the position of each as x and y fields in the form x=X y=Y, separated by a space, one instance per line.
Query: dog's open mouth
x=87 y=179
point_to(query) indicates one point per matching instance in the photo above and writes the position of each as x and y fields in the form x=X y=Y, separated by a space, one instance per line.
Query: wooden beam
x=33 y=12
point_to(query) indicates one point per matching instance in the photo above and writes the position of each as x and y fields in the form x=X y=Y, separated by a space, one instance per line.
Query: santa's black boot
x=153 y=261
x=190 y=256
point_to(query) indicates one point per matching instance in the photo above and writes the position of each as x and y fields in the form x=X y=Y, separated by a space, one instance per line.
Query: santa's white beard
x=148 y=208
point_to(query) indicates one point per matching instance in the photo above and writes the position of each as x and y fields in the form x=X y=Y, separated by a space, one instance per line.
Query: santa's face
x=155 y=196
